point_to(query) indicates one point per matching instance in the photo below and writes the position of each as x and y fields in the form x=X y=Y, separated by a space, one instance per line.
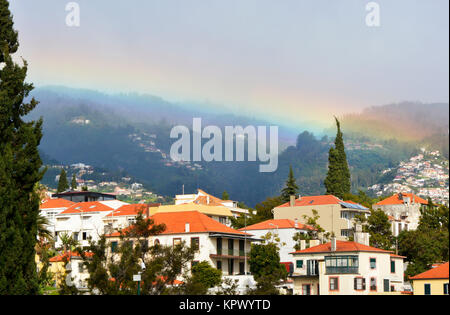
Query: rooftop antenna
x=183 y=189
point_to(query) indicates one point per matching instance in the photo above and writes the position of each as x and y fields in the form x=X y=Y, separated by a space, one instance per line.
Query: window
x=373 y=263
x=334 y=284
x=306 y=289
x=341 y=264
x=219 y=264
x=241 y=268
x=75 y=236
x=230 y=247
x=386 y=285
x=446 y=288
x=80 y=267
x=392 y=266
x=195 y=243
x=114 y=247
x=223 y=220
x=427 y=289
x=156 y=242
x=344 y=215
x=84 y=236
x=344 y=233
x=312 y=267
x=373 y=284
x=241 y=248
x=219 y=246
x=144 y=245
x=176 y=241
x=299 y=263
x=360 y=284
x=230 y=266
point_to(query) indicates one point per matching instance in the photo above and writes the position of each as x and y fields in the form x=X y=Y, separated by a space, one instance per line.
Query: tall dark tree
x=225 y=195
x=63 y=185
x=290 y=187
x=74 y=184
x=338 y=181
x=20 y=166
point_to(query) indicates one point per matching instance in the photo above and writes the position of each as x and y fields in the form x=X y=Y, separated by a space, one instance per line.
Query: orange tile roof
x=277 y=224
x=66 y=255
x=314 y=201
x=93 y=206
x=341 y=246
x=56 y=203
x=395 y=200
x=440 y=272
x=129 y=210
x=198 y=223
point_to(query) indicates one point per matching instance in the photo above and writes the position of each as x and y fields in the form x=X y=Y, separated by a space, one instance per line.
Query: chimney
x=360 y=237
x=296 y=223
x=292 y=201
x=299 y=197
x=333 y=244
x=187 y=228
x=207 y=200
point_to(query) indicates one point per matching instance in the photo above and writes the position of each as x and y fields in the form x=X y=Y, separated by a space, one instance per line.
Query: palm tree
x=42 y=228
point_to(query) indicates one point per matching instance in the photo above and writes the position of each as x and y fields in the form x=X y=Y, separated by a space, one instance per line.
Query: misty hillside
x=100 y=130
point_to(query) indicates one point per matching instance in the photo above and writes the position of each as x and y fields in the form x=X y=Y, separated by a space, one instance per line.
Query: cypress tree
x=74 y=184
x=225 y=195
x=290 y=188
x=337 y=181
x=20 y=166
x=63 y=185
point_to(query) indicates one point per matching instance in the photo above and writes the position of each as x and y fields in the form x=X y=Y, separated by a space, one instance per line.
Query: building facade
x=335 y=215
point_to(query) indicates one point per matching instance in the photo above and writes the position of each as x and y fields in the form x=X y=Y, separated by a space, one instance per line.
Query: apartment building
x=347 y=268
x=335 y=215
x=404 y=208
x=223 y=247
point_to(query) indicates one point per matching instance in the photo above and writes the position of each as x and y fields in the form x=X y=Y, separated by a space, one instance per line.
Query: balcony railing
x=341 y=270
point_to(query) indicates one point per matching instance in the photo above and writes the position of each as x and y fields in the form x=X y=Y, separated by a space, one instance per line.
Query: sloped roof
x=198 y=223
x=211 y=210
x=395 y=200
x=277 y=224
x=341 y=246
x=440 y=272
x=67 y=255
x=92 y=206
x=56 y=203
x=314 y=201
x=128 y=210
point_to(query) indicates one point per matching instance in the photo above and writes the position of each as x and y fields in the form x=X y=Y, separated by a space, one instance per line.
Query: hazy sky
x=284 y=60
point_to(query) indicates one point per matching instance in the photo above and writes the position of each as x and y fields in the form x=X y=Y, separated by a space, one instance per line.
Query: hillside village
x=426 y=174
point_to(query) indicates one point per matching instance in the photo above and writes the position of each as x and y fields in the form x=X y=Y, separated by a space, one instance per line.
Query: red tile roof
x=198 y=223
x=66 y=255
x=440 y=272
x=277 y=224
x=93 y=206
x=395 y=200
x=314 y=201
x=56 y=203
x=129 y=210
x=341 y=246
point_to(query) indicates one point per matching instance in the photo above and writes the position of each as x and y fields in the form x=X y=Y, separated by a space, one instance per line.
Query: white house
x=223 y=247
x=84 y=220
x=284 y=229
x=403 y=207
x=347 y=268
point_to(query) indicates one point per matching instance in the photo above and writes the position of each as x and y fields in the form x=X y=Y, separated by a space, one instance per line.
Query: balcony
x=344 y=264
x=341 y=270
